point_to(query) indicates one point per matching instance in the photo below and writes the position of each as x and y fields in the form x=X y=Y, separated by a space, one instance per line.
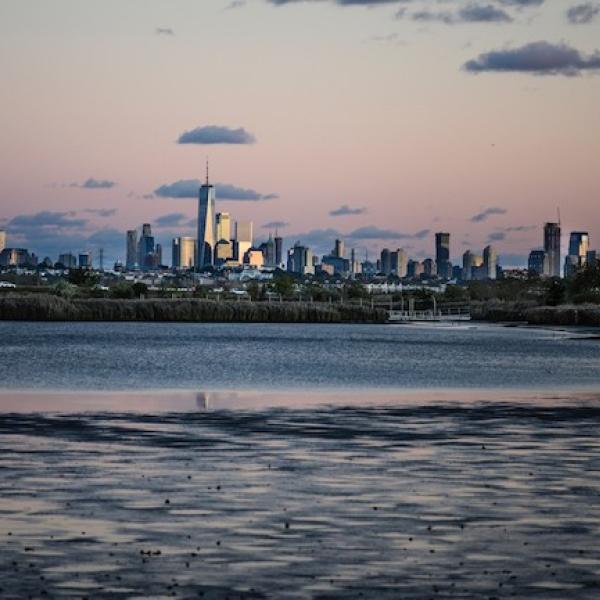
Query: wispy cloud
x=164 y=31
x=101 y=212
x=347 y=210
x=94 y=184
x=487 y=213
x=581 y=14
x=275 y=225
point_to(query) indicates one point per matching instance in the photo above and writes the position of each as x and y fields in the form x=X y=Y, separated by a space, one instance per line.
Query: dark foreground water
x=449 y=501
x=251 y=461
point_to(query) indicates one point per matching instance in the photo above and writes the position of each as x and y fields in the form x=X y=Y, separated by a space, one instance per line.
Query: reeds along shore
x=54 y=308
x=564 y=314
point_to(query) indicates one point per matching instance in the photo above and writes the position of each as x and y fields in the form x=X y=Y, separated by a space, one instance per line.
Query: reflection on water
x=450 y=500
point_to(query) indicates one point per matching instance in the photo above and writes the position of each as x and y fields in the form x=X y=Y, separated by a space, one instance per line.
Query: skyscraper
x=339 y=249
x=552 y=248
x=579 y=244
x=146 y=257
x=206 y=224
x=442 y=255
x=399 y=262
x=243 y=239
x=385 y=261
x=132 y=249
x=538 y=262
x=269 y=252
x=223 y=226
x=184 y=253
x=278 y=250
x=490 y=262
x=2 y=239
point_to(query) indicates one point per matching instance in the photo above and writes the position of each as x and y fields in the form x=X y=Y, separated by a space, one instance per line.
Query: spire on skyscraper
x=207 y=170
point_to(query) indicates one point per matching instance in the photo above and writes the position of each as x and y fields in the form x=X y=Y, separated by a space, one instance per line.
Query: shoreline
x=191 y=401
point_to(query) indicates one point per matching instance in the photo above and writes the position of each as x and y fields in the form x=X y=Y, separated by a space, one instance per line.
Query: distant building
x=490 y=262
x=146 y=258
x=399 y=262
x=223 y=252
x=470 y=263
x=243 y=239
x=131 y=261
x=223 y=221
x=579 y=245
x=68 y=260
x=183 y=253
x=552 y=248
x=415 y=269
x=207 y=235
x=339 y=250
x=2 y=239
x=592 y=256
x=538 y=263
x=254 y=257
x=339 y=264
x=17 y=257
x=429 y=269
x=385 y=261
x=300 y=260
x=269 y=249
x=85 y=260
x=442 y=255
x=278 y=250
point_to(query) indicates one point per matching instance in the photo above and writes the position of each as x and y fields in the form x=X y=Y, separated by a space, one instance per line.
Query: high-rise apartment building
x=442 y=255
x=538 y=263
x=278 y=250
x=385 y=261
x=243 y=239
x=552 y=248
x=184 y=253
x=399 y=262
x=579 y=244
x=206 y=225
x=490 y=262
x=132 y=249
x=339 y=250
x=223 y=226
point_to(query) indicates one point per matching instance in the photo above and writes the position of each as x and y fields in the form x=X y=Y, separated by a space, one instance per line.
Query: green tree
x=139 y=289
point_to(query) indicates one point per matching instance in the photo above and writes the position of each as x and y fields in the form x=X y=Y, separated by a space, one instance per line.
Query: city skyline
x=385 y=139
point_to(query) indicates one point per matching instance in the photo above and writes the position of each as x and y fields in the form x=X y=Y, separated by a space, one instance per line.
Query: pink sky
x=349 y=106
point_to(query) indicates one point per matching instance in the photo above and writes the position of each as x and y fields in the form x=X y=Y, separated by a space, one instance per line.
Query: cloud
x=472 y=13
x=188 y=188
x=581 y=14
x=520 y=228
x=488 y=212
x=347 y=210
x=94 y=184
x=371 y=232
x=496 y=236
x=339 y=2
x=235 y=4
x=215 y=134
x=275 y=225
x=164 y=31
x=170 y=220
x=46 y=219
x=538 y=58
x=101 y=212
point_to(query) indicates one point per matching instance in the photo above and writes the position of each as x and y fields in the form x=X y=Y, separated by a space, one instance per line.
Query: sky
x=379 y=121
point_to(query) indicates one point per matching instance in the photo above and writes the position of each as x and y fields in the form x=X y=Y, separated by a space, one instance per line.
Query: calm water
x=298 y=461
x=126 y=356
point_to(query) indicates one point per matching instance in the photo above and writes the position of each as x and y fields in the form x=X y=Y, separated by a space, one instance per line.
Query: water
x=128 y=356
x=419 y=502
x=149 y=460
